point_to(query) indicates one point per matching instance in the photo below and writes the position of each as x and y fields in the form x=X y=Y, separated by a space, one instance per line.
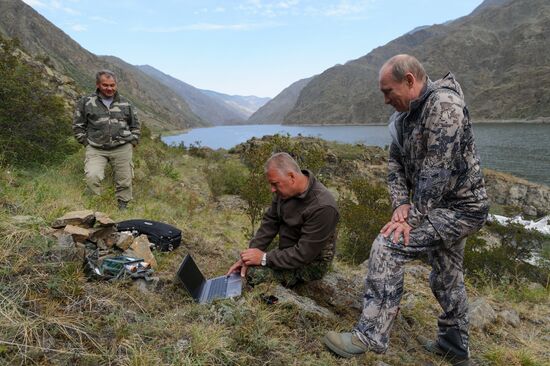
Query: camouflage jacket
x=306 y=225
x=433 y=161
x=103 y=127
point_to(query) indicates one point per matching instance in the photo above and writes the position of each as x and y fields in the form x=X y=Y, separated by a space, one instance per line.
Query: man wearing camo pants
x=107 y=124
x=439 y=198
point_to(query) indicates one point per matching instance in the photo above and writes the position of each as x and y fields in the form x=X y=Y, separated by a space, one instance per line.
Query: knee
x=94 y=175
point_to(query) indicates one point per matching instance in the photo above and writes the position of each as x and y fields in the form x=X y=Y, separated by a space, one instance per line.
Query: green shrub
x=363 y=212
x=34 y=125
x=226 y=177
x=507 y=261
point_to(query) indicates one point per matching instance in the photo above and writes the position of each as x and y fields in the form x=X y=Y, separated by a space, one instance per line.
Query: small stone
x=85 y=217
x=78 y=233
x=141 y=248
x=101 y=233
x=481 y=314
x=65 y=241
x=103 y=220
x=510 y=317
x=124 y=240
x=183 y=345
x=147 y=286
x=303 y=303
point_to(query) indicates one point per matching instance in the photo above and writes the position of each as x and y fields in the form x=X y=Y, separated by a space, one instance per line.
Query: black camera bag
x=165 y=237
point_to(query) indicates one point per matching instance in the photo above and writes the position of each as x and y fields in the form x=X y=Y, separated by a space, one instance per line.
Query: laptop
x=203 y=290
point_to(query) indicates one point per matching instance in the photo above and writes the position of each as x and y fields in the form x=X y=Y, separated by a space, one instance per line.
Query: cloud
x=208 y=27
x=275 y=8
x=79 y=27
x=346 y=7
x=102 y=20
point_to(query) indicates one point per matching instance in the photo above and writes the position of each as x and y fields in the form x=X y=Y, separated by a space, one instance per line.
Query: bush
x=226 y=177
x=507 y=261
x=34 y=125
x=363 y=212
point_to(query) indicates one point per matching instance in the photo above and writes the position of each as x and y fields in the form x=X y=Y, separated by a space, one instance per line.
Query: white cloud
x=274 y=8
x=102 y=20
x=346 y=7
x=208 y=27
x=53 y=5
x=79 y=27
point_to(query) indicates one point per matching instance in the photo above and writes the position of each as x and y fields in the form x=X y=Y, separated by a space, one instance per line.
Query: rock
x=103 y=232
x=85 y=218
x=24 y=220
x=183 y=345
x=124 y=240
x=78 y=233
x=510 y=317
x=417 y=271
x=337 y=290
x=481 y=313
x=380 y=363
x=306 y=304
x=65 y=241
x=103 y=220
x=145 y=286
x=535 y=286
x=140 y=248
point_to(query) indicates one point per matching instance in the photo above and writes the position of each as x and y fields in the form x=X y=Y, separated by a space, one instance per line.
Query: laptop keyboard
x=217 y=288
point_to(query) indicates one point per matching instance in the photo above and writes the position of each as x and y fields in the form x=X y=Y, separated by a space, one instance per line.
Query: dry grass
x=50 y=314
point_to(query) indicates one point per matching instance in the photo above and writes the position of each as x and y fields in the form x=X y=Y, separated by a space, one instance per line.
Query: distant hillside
x=499 y=54
x=215 y=108
x=246 y=105
x=159 y=107
x=201 y=104
x=276 y=109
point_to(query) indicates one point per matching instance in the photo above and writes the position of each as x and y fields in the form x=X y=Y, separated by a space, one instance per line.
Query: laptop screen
x=191 y=276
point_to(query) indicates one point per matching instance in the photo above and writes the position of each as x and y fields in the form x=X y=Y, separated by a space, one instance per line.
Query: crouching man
x=304 y=215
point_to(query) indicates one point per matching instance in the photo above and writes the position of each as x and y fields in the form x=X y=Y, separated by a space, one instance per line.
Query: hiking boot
x=345 y=345
x=434 y=347
x=122 y=205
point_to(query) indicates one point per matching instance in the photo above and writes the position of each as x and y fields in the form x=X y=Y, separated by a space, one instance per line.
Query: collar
x=311 y=180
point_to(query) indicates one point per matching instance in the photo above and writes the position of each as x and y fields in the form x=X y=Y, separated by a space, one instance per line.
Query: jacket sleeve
x=269 y=228
x=134 y=125
x=80 y=122
x=318 y=228
x=397 y=183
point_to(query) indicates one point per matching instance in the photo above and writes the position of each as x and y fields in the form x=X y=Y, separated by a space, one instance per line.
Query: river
x=521 y=149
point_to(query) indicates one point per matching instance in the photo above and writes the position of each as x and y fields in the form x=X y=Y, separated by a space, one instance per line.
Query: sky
x=243 y=47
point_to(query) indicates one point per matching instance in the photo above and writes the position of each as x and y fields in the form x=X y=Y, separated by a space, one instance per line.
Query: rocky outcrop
x=504 y=189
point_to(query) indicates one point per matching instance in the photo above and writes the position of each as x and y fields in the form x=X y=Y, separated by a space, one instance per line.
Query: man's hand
x=252 y=257
x=401 y=213
x=239 y=265
x=398 y=229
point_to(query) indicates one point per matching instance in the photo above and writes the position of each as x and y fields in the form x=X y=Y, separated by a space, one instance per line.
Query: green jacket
x=103 y=127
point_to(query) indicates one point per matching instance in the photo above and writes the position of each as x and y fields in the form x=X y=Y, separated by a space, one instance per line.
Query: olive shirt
x=306 y=225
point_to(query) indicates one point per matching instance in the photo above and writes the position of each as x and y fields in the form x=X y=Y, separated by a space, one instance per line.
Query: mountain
x=215 y=108
x=499 y=54
x=277 y=108
x=245 y=104
x=159 y=107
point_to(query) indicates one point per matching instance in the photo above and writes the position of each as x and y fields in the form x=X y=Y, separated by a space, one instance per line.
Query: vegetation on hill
x=34 y=124
x=50 y=314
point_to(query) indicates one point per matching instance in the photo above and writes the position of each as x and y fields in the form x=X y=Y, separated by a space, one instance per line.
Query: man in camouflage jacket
x=439 y=198
x=107 y=124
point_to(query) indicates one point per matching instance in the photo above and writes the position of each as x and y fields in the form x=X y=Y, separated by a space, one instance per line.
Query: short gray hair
x=100 y=73
x=403 y=64
x=283 y=162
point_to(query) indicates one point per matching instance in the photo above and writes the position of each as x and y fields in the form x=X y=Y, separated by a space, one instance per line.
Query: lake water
x=519 y=149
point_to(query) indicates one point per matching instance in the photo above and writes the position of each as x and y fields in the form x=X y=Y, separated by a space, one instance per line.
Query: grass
x=51 y=315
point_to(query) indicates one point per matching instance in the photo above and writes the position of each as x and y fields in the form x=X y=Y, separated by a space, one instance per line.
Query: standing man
x=438 y=195
x=304 y=214
x=107 y=124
